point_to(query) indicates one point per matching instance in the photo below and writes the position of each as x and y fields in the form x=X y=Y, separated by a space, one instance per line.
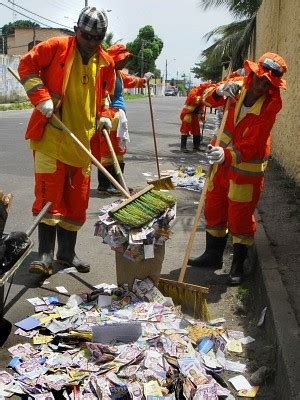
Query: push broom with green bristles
x=191 y=297
x=136 y=210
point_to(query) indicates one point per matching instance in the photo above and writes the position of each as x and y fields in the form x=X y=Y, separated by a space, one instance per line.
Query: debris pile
x=135 y=244
x=113 y=343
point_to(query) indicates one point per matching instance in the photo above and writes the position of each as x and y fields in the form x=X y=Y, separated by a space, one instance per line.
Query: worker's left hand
x=104 y=123
x=148 y=76
x=215 y=154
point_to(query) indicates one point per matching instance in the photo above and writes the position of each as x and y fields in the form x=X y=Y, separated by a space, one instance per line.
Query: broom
x=115 y=160
x=192 y=297
x=136 y=210
x=160 y=183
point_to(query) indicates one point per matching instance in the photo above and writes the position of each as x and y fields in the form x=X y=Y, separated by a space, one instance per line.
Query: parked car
x=170 y=92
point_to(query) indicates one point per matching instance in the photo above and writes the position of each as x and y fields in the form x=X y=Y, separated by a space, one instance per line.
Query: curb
x=280 y=322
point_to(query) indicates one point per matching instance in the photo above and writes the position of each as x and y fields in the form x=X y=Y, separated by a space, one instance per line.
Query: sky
x=180 y=24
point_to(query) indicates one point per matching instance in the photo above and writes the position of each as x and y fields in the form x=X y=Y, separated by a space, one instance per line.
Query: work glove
x=215 y=154
x=104 y=123
x=46 y=108
x=148 y=76
x=15 y=237
x=228 y=89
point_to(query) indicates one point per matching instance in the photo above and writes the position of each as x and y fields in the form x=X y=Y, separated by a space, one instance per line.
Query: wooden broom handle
x=153 y=129
x=115 y=160
x=81 y=145
x=91 y=156
x=202 y=199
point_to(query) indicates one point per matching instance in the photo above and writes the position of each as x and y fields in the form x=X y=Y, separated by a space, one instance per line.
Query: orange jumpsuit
x=193 y=111
x=127 y=81
x=237 y=183
x=63 y=176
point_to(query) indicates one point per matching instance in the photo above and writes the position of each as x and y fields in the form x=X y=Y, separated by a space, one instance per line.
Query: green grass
x=26 y=104
x=243 y=294
x=16 y=106
x=134 y=96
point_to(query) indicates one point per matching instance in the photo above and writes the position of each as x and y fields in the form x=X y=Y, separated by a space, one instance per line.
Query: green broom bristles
x=191 y=297
x=140 y=210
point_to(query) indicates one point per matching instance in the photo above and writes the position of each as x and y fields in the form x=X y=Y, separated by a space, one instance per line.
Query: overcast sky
x=180 y=24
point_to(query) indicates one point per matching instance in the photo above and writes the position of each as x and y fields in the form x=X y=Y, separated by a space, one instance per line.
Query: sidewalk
x=278 y=246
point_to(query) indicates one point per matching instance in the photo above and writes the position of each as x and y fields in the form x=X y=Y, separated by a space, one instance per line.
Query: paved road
x=16 y=176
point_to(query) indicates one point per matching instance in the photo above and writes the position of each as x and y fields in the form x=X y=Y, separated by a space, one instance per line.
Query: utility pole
x=86 y=3
x=142 y=62
x=166 y=73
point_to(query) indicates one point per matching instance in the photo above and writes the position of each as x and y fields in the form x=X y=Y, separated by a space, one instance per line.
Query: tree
x=146 y=48
x=232 y=41
x=9 y=29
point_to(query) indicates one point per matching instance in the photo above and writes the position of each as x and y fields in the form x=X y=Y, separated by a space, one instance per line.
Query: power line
x=40 y=16
x=24 y=15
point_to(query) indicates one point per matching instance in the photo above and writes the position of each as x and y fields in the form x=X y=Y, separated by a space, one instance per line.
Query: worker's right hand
x=148 y=76
x=228 y=89
x=104 y=123
x=46 y=108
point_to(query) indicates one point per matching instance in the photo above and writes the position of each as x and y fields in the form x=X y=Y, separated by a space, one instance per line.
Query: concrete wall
x=278 y=31
x=10 y=89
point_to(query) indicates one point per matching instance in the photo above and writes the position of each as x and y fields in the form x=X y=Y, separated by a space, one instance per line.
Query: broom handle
x=202 y=199
x=115 y=160
x=91 y=156
x=153 y=129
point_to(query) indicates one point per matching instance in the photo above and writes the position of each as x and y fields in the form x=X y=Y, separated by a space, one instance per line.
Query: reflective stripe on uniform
x=32 y=83
x=251 y=168
x=189 y=108
x=217 y=231
x=243 y=239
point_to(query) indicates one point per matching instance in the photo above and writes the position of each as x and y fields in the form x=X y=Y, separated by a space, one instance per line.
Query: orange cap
x=270 y=65
x=118 y=52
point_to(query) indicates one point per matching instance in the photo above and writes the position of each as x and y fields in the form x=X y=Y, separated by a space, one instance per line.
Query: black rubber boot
x=183 y=144
x=196 y=143
x=240 y=252
x=213 y=255
x=103 y=182
x=46 y=236
x=112 y=190
x=122 y=166
x=66 y=255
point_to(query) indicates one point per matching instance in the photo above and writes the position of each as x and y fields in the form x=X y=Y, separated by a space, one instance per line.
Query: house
x=23 y=39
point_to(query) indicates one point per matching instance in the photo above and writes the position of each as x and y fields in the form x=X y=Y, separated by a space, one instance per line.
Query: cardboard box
x=127 y=271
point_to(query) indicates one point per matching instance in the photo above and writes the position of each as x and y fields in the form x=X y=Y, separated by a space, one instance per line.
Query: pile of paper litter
x=134 y=244
x=189 y=177
x=137 y=346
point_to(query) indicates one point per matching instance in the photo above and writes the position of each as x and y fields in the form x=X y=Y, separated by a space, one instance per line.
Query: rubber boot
x=213 y=255
x=196 y=143
x=46 y=237
x=183 y=144
x=103 y=182
x=240 y=252
x=66 y=255
x=112 y=190
x=122 y=166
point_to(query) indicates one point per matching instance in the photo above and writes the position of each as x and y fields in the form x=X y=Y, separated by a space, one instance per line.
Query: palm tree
x=232 y=41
